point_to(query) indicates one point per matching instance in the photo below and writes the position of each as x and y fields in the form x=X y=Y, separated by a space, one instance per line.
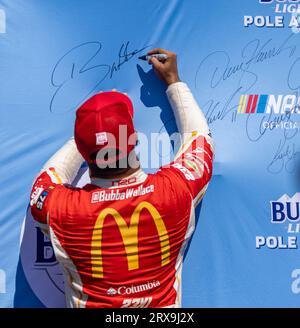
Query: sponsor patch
x=113 y=195
x=41 y=200
x=188 y=175
x=35 y=195
x=111 y=291
x=101 y=138
x=127 y=290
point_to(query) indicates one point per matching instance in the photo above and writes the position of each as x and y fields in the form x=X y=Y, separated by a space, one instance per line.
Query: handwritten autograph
x=215 y=111
x=285 y=157
x=80 y=66
x=254 y=52
x=256 y=129
x=293 y=79
x=218 y=69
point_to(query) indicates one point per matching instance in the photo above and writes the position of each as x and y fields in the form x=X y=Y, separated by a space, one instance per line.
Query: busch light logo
x=278 y=1
x=286 y=209
x=279 y=18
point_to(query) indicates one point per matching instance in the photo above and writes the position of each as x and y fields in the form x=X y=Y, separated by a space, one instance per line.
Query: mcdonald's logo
x=129 y=234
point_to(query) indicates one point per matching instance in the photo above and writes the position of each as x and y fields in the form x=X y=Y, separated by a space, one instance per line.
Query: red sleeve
x=194 y=165
x=41 y=193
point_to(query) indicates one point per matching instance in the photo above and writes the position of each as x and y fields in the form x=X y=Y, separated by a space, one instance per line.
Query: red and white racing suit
x=121 y=242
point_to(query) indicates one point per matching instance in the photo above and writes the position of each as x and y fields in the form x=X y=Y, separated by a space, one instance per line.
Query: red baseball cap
x=103 y=122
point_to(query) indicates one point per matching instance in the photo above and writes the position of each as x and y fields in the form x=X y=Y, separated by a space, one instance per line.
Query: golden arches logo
x=129 y=235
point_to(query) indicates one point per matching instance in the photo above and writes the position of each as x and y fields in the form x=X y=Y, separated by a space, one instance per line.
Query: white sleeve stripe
x=66 y=162
x=188 y=114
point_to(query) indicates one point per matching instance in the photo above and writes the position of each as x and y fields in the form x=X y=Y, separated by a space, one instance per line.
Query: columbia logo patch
x=101 y=138
x=111 y=291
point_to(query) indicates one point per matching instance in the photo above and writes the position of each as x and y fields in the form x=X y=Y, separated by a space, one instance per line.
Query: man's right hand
x=166 y=70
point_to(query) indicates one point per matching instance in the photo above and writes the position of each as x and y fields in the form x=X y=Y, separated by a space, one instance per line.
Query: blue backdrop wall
x=242 y=62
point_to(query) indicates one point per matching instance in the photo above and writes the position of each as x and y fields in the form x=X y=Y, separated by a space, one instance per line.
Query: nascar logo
x=261 y=104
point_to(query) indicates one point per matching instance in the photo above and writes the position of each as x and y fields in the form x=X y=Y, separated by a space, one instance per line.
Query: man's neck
x=107 y=174
x=129 y=178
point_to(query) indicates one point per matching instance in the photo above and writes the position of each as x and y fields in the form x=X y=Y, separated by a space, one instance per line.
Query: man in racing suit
x=121 y=239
